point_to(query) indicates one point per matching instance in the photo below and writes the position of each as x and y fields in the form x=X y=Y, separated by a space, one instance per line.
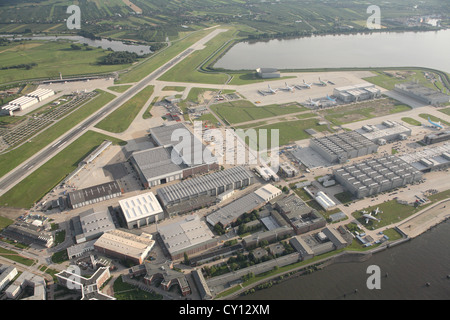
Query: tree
x=186 y=259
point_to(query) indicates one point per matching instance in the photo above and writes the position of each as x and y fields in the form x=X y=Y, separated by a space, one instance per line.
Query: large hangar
x=373 y=176
x=168 y=161
x=340 y=147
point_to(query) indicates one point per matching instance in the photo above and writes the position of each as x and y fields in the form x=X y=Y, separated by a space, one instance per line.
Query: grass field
x=173 y=88
x=4 y=222
x=41 y=181
x=388 y=79
x=363 y=110
x=14 y=256
x=120 y=119
x=186 y=70
x=412 y=121
x=290 y=131
x=13 y=158
x=433 y=118
x=126 y=291
x=243 y=110
x=446 y=111
x=146 y=67
x=392 y=212
x=51 y=57
x=120 y=89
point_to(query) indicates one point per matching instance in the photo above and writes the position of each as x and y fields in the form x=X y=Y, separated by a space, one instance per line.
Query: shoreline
x=356 y=256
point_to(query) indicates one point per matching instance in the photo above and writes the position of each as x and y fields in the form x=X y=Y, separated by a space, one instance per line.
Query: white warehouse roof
x=141 y=206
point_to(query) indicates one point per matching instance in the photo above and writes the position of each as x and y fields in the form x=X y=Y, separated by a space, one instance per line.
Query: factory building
x=28 y=233
x=252 y=201
x=91 y=224
x=125 y=245
x=340 y=147
x=387 y=131
x=141 y=210
x=266 y=173
x=95 y=194
x=433 y=138
x=287 y=170
x=27 y=280
x=187 y=194
x=421 y=93
x=356 y=93
x=28 y=100
x=268 y=73
x=429 y=159
x=299 y=215
x=189 y=236
x=373 y=176
x=7 y=274
x=169 y=161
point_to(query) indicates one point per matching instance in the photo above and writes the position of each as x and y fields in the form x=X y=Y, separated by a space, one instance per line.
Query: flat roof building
x=95 y=194
x=28 y=233
x=172 y=159
x=252 y=201
x=27 y=279
x=340 y=147
x=141 y=210
x=208 y=185
x=387 y=130
x=356 y=93
x=7 y=274
x=373 y=176
x=190 y=235
x=91 y=224
x=268 y=73
x=422 y=93
x=125 y=245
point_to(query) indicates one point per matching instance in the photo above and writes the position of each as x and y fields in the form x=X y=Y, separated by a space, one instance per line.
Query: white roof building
x=141 y=210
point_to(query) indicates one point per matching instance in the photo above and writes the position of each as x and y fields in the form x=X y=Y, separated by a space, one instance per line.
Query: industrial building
x=80 y=249
x=422 y=93
x=30 y=280
x=28 y=233
x=385 y=132
x=268 y=73
x=356 y=93
x=433 y=138
x=299 y=215
x=202 y=286
x=175 y=198
x=325 y=201
x=141 y=210
x=429 y=159
x=125 y=245
x=270 y=236
x=266 y=173
x=170 y=161
x=326 y=240
x=340 y=147
x=287 y=170
x=189 y=236
x=252 y=201
x=28 y=100
x=95 y=194
x=91 y=224
x=373 y=176
x=7 y=274
x=165 y=272
x=88 y=287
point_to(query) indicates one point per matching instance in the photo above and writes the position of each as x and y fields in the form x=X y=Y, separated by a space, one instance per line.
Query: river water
x=385 y=49
x=405 y=271
x=114 y=45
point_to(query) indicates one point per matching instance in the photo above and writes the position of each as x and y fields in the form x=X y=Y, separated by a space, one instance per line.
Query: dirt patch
x=11 y=213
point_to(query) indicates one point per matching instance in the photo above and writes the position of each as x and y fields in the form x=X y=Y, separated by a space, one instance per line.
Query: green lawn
x=290 y=131
x=363 y=111
x=4 y=222
x=411 y=121
x=51 y=57
x=120 y=89
x=13 y=158
x=14 y=256
x=186 y=70
x=126 y=291
x=239 y=111
x=433 y=118
x=173 y=88
x=41 y=181
x=121 y=118
x=446 y=111
x=388 y=80
x=392 y=212
x=146 y=67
